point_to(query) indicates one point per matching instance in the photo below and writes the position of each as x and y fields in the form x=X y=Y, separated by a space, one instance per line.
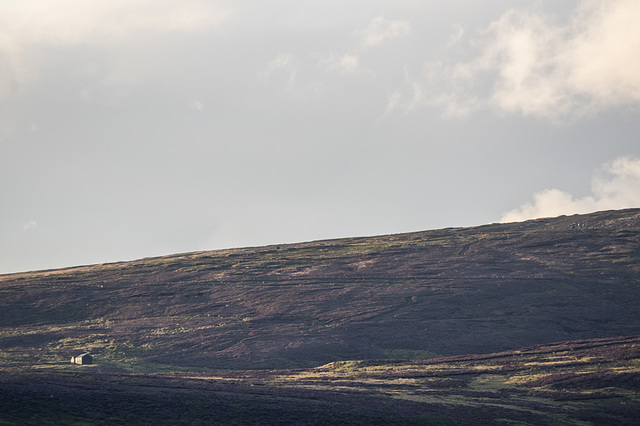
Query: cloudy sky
x=135 y=128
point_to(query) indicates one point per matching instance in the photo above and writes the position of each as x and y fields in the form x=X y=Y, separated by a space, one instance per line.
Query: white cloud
x=529 y=64
x=283 y=62
x=77 y=21
x=408 y=100
x=197 y=106
x=44 y=23
x=346 y=64
x=304 y=66
x=307 y=66
x=381 y=29
x=616 y=185
x=456 y=37
x=30 y=225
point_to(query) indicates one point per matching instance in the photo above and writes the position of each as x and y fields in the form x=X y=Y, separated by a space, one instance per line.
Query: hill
x=426 y=294
x=588 y=382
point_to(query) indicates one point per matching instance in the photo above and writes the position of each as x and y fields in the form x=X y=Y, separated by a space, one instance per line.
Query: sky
x=138 y=128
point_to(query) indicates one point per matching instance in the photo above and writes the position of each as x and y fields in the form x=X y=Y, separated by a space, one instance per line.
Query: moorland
x=532 y=322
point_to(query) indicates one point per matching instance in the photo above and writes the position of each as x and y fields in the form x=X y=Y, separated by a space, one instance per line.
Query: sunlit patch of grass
x=523 y=379
x=633 y=368
x=560 y=361
x=8 y=358
x=197 y=326
x=489 y=383
x=101 y=346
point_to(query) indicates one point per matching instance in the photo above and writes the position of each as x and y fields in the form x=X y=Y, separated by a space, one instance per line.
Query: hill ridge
x=443 y=292
x=618 y=219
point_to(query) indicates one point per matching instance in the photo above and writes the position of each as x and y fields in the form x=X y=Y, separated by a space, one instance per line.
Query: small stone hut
x=82 y=359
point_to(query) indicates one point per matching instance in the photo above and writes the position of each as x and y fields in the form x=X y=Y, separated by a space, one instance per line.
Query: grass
x=382 y=320
x=570 y=383
x=504 y=382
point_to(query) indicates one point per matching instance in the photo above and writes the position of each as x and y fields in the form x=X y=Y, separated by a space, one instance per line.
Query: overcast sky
x=135 y=128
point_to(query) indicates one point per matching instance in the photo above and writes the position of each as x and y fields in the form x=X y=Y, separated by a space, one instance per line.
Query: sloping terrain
x=589 y=382
x=418 y=295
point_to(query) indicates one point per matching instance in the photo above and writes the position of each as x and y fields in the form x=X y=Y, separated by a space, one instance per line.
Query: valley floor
x=589 y=382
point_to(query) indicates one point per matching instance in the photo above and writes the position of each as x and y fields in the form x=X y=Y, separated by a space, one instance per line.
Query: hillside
x=417 y=295
x=588 y=382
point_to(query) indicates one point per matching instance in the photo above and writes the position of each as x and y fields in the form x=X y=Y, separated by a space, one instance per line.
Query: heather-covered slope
x=443 y=292
x=588 y=382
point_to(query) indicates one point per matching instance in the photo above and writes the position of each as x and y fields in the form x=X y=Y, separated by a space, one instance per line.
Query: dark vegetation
x=585 y=382
x=269 y=335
